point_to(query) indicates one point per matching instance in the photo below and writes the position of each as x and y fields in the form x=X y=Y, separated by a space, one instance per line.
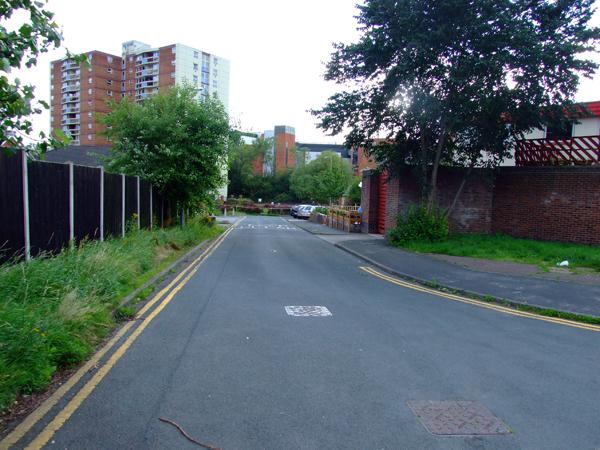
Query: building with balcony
x=577 y=143
x=80 y=92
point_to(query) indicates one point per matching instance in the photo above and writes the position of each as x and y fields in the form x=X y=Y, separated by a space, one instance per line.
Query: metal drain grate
x=457 y=418
x=307 y=311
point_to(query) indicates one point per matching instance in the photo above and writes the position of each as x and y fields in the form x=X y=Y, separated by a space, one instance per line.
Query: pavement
x=517 y=283
x=382 y=367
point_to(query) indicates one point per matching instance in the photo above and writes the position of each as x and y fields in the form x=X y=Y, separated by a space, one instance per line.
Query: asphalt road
x=226 y=362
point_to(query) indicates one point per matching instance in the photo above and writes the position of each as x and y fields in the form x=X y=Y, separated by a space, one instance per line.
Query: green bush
x=55 y=310
x=322 y=210
x=419 y=224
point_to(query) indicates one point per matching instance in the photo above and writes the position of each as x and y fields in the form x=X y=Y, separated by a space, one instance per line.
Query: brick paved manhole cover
x=307 y=311
x=457 y=418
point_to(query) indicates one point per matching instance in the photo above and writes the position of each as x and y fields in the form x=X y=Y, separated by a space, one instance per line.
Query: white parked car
x=304 y=212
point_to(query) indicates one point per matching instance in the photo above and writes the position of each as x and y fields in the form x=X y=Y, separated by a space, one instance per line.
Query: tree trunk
x=436 y=164
x=458 y=192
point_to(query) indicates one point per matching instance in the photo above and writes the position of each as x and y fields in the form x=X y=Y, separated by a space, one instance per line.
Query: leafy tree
x=23 y=43
x=173 y=140
x=456 y=82
x=241 y=158
x=353 y=191
x=323 y=180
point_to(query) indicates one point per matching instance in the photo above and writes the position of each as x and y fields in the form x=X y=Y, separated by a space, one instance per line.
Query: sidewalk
x=520 y=286
x=564 y=296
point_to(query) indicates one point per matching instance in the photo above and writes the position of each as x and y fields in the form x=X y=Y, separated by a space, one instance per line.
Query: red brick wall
x=368 y=203
x=560 y=204
x=555 y=204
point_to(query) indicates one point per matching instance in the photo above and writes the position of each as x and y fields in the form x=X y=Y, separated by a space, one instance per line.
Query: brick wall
x=369 y=202
x=545 y=203
x=556 y=204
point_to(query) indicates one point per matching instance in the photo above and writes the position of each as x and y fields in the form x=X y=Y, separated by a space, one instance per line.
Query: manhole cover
x=307 y=311
x=452 y=418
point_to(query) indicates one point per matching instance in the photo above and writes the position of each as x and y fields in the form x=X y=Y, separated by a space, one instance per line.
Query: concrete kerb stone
x=173 y=269
x=442 y=288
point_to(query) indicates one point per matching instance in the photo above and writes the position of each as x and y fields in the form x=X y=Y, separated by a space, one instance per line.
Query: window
x=123 y=86
x=51 y=118
x=90 y=114
x=130 y=60
x=89 y=103
x=195 y=67
x=109 y=59
x=215 y=61
x=89 y=68
x=89 y=126
x=52 y=98
x=172 y=74
x=214 y=72
x=109 y=69
x=89 y=137
x=173 y=62
x=173 y=50
x=109 y=93
x=52 y=87
x=196 y=55
x=109 y=82
x=195 y=79
x=90 y=80
x=90 y=91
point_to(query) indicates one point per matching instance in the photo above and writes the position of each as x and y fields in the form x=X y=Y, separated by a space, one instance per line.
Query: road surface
x=226 y=362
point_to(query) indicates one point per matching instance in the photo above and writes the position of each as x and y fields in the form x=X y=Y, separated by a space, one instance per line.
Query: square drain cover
x=457 y=418
x=307 y=311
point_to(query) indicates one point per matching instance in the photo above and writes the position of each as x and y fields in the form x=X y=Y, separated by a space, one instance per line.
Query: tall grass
x=501 y=247
x=53 y=311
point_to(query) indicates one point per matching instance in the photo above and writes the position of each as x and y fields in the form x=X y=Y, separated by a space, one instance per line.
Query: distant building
x=80 y=91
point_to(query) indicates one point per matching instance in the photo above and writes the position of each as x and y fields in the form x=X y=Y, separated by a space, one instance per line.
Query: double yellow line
x=479 y=303
x=59 y=420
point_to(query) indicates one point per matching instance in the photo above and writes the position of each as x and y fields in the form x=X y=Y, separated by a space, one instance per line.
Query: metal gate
x=381 y=201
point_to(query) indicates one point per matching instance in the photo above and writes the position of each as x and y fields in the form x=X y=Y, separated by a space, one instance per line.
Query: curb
x=467 y=293
x=166 y=271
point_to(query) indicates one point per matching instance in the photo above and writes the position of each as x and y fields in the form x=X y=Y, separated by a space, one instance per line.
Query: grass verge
x=544 y=254
x=54 y=311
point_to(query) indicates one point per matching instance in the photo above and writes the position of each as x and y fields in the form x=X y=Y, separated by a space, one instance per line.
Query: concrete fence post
x=24 y=179
x=71 y=206
x=123 y=205
x=101 y=204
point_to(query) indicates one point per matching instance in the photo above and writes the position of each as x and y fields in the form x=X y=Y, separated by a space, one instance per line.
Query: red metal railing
x=581 y=150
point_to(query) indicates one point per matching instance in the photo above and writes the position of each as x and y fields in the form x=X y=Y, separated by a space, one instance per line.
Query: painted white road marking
x=307 y=311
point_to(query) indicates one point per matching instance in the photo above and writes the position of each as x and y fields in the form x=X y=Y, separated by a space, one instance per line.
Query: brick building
x=80 y=91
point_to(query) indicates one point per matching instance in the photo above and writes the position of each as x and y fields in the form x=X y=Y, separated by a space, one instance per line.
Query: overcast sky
x=277 y=49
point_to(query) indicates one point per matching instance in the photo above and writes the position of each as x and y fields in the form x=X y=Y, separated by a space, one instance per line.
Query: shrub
x=321 y=209
x=419 y=224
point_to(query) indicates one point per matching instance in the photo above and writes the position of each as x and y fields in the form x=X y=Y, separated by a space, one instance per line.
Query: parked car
x=294 y=210
x=304 y=212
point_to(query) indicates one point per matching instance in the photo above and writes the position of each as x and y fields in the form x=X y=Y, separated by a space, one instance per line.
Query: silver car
x=304 y=211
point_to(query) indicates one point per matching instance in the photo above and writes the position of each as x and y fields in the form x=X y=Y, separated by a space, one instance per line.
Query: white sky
x=277 y=49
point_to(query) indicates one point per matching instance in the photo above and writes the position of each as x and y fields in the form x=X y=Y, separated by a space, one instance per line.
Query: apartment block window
x=52 y=87
x=173 y=62
x=109 y=82
x=90 y=91
x=195 y=67
x=195 y=79
x=89 y=103
x=52 y=98
x=173 y=50
x=123 y=75
x=215 y=61
x=123 y=86
x=109 y=69
x=109 y=59
x=196 y=55
x=109 y=93
x=52 y=75
x=89 y=137
x=214 y=72
x=89 y=126
x=90 y=80
x=51 y=118
x=89 y=68
x=172 y=74
x=90 y=114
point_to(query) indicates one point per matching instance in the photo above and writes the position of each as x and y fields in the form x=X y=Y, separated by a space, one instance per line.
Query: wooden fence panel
x=12 y=237
x=144 y=204
x=130 y=201
x=48 y=206
x=112 y=204
x=86 y=185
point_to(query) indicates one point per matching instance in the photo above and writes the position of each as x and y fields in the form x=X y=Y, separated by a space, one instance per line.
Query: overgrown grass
x=505 y=248
x=53 y=311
